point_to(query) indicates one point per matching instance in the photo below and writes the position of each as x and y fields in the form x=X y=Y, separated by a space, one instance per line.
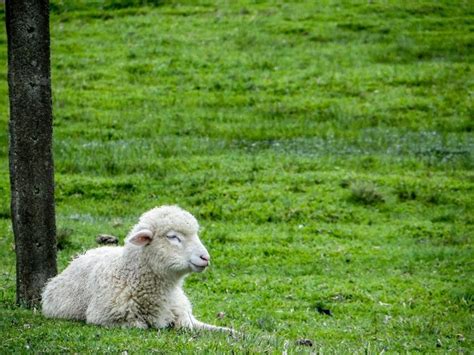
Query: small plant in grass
x=345 y=183
x=63 y=238
x=434 y=196
x=406 y=192
x=366 y=193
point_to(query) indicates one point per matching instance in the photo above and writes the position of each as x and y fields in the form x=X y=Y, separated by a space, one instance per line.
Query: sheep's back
x=68 y=295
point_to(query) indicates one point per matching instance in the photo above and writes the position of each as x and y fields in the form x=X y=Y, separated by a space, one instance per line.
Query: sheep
x=138 y=285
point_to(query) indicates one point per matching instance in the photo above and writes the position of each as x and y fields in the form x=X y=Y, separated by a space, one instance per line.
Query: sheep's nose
x=205 y=257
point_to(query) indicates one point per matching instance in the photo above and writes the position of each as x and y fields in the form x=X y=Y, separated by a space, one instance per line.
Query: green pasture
x=326 y=147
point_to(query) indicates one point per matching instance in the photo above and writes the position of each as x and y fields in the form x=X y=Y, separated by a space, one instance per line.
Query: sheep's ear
x=141 y=238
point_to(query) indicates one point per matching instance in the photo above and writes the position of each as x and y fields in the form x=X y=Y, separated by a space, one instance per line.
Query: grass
x=326 y=149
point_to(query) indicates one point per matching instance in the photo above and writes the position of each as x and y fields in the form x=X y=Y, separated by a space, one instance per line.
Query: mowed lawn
x=326 y=147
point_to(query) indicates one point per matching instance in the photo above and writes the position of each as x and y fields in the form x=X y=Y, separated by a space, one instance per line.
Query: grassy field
x=326 y=148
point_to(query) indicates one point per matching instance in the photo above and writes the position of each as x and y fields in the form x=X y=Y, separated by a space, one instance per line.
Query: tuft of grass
x=406 y=193
x=63 y=238
x=366 y=193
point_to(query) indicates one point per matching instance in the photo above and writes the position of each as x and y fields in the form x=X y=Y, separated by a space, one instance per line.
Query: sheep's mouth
x=197 y=268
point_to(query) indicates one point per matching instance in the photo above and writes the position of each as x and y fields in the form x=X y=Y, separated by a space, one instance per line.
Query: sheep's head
x=168 y=236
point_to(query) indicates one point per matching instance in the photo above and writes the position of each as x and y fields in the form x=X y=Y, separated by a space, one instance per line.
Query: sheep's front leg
x=196 y=324
x=134 y=324
x=183 y=315
x=186 y=320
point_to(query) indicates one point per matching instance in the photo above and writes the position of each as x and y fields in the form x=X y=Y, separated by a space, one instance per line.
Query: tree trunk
x=31 y=161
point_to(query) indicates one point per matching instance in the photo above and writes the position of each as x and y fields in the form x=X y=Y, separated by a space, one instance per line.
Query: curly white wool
x=139 y=284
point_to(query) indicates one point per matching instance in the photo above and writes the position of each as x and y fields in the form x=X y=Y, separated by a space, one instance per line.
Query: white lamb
x=138 y=285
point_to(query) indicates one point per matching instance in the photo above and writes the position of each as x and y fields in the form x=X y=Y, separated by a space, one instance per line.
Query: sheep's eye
x=173 y=237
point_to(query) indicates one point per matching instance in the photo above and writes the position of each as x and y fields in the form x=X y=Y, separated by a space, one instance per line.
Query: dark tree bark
x=31 y=161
